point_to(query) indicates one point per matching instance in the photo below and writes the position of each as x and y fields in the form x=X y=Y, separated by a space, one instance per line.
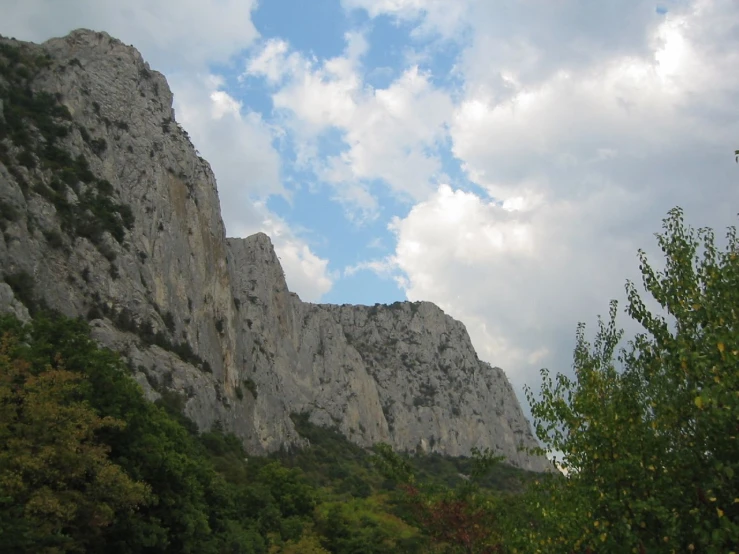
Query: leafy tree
x=648 y=432
x=294 y=497
x=460 y=519
x=190 y=507
x=58 y=488
x=308 y=544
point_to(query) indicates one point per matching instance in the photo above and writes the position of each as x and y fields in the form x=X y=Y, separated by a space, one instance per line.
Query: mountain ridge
x=109 y=213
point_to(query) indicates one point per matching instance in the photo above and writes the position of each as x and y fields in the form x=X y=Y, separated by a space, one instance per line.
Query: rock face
x=108 y=213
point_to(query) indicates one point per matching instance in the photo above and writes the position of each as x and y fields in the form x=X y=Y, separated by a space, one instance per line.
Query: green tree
x=460 y=519
x=190 y=507
x=59 y=491
x=648 y=432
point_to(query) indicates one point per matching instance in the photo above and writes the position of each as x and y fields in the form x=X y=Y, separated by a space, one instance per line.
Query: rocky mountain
x=107 y=212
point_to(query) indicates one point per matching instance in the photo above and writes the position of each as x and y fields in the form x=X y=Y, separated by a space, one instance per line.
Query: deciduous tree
x=58 y=488
x=648 y=432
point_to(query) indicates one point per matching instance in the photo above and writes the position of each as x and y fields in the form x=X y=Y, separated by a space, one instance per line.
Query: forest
x=644 y=432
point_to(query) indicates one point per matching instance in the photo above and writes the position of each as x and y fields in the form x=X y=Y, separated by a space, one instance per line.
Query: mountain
x=107 y=212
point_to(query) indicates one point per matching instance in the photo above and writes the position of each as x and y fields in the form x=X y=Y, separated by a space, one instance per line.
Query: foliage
x=363 y=526
x=459 y=519
x=650 y=448
x=83 y=395
x=58 y=488
x=386 y=498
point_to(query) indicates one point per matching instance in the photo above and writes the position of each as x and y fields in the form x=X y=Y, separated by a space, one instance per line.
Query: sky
x=504 y=159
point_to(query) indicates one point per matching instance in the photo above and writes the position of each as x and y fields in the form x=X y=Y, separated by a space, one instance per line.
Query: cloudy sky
x=504 y=159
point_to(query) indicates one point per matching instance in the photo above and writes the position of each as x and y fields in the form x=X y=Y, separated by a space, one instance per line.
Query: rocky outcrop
x=108 y=212
x=405 y=374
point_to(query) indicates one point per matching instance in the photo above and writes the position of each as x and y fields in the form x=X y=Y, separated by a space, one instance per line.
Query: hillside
x=108 y=213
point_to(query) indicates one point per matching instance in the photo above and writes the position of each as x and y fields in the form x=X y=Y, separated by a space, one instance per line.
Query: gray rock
x=11 y=305
x=211 y=319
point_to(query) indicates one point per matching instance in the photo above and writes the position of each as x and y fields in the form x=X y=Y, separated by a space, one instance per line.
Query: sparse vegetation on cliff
x=32 y=129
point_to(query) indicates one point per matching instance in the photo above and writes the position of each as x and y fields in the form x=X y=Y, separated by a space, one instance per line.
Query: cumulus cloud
x=580 y=158
x=390 y=135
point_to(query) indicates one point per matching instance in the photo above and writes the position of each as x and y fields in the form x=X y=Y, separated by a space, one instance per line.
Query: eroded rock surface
x=124 y=228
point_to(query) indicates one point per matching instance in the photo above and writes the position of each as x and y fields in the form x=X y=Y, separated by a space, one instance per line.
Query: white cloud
x=581 y=159
x=391 y=135
x=171 y=34
x=603 y=124
x=440 y=17
x=383 y=268
x=272 y=62
x=528 y=39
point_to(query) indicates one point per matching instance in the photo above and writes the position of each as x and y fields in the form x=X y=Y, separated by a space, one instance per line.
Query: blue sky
x=318 y=30
x=503 y=159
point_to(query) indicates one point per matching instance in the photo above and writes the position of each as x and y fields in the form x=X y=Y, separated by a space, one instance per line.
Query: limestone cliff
x=107 y=212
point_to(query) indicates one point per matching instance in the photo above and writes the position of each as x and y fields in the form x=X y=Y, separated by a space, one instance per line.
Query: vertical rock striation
x=108 y=213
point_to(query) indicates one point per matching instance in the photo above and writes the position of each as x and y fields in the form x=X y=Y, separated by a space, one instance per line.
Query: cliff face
x=107 y=212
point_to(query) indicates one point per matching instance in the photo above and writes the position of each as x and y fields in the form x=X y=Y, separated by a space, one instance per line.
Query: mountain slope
x=108 y=213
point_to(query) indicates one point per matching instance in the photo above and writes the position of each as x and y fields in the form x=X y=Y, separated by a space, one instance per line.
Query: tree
x=58 y=489
x=648 y=432
x=463 y=519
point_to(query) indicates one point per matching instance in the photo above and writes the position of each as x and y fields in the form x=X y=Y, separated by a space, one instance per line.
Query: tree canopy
x=648 y=432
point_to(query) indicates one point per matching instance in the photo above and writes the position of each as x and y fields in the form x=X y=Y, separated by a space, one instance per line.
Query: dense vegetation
x=88 y=465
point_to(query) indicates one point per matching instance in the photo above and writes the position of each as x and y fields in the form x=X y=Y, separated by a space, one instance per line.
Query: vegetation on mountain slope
x=34 y=123
x=88 y=465
x=647 y=434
